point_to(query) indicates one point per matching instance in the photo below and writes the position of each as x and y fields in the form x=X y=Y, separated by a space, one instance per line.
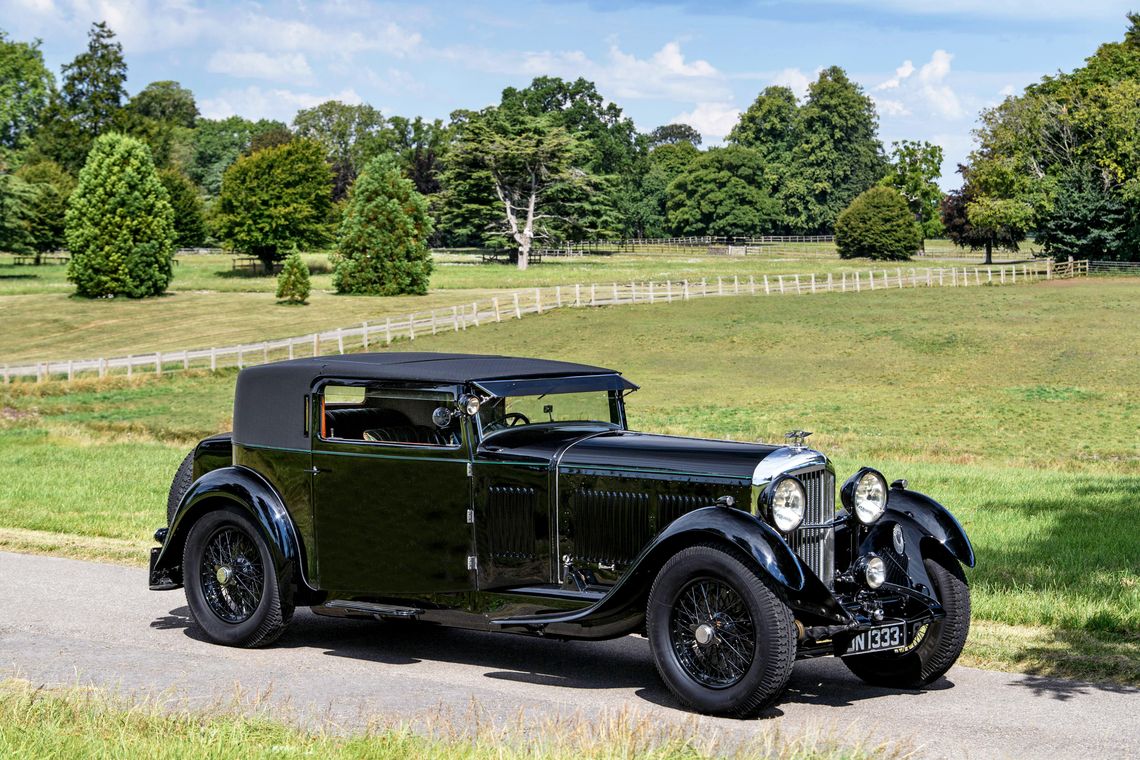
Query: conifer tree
x=293 y=282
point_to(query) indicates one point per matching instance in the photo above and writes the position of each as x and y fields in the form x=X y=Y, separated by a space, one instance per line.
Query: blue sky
x=930 y=66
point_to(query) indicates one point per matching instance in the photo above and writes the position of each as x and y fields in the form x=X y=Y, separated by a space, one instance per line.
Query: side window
x=386 y=416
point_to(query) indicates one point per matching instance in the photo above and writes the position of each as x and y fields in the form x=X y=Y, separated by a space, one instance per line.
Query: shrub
x=293 y=282
x=877 y=225
x=382 y=247
x=275 y=200
x=120 y=227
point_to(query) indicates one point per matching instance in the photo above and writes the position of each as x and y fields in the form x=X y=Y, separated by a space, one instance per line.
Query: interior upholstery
x=416 y=434
x=352 y=422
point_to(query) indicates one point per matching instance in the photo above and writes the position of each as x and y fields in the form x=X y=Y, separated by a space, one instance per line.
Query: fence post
x=558 y=295
x=185 y=360
x=752 y=284
x=941 y=279
x=704 y=287
x=668 y=291
x=797 y=284
x=899 y=271
x=736 y=284
x=388 y=331
x=719 y=286
x=340 y=341
x=316 y=344
x=495 y=305
x=651 y=291
x=433 y=325
x=290 y=349
x=858 y=287
x=871 y=276
x=102 y=368
x=685 y=290
x=538 y=299
x=241 y=358
x=593 y=294
x=1001 y=271
x=158 y=363
x=70 y=371
x=813 y=283
x=829 y=282
x=615 y=289
x=475 y=312
x=953 y=277
x=265 y=351
x=364 y=333
x=518 y=311
x=577 y=294
x=130 y=365
x=929 y=284
x=213 y=360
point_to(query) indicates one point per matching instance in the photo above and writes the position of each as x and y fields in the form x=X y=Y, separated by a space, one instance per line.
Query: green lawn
x=1016 y=407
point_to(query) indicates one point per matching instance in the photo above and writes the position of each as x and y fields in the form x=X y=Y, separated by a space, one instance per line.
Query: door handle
x=315 y=470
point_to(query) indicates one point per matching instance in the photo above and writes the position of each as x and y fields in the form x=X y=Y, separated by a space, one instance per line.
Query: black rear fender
x=240 y=488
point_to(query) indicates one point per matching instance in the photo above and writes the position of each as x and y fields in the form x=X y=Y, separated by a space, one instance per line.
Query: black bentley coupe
x=510 y=494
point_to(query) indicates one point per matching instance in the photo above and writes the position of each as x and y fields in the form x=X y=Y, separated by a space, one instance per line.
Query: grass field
x=1016 y=407
x=211 y=305
x=82 y=723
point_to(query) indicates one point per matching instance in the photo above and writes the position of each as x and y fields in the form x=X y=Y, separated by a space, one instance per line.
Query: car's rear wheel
x=936 y=645
x=231 y=582
x=722 y=638
x=183 y=479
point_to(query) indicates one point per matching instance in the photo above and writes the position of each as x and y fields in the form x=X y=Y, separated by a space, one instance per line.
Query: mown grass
x=77 y=722
x=209 y=304
x=1016 y=407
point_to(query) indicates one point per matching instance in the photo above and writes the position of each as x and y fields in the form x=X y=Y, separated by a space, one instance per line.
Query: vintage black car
x=509 y=494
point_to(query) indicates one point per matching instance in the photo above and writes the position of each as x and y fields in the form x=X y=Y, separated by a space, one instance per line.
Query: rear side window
x=394 y=417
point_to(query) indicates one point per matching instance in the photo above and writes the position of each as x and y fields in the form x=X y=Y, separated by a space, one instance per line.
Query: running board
x=373 y=609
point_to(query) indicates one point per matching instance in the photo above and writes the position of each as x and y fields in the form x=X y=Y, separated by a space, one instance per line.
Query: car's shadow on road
x=624 y=663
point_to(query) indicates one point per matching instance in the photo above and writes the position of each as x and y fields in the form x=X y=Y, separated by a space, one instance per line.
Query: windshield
x=589 y=407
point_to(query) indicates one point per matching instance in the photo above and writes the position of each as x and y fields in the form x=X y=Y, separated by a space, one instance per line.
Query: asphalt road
x=64 y=622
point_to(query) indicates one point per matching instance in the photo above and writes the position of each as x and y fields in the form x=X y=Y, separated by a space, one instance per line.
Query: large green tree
x=770 y=125
x=219 y=142
x=189 y=211
x=528 y=164
x=275 y=200
x=420 y=147
x=672 y=134
x=350 y=134
x=723 y=192
x=1071 y=143
x=120 y=227
x=983 y=217
x=16 y=198
x=26 y=88
x=914 y=170
x=166 y=102
x=382 y=245
x=47 y=207
x=837 y=154
x=88 y=102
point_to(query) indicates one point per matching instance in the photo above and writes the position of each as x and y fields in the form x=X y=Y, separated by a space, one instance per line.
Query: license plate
x=881 y=639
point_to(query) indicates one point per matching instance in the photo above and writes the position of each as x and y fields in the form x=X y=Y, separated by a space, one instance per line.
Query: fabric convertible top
x=269 y=398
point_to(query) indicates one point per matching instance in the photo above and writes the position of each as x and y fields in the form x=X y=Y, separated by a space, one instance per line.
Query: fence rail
x=1114 y=267
x=515 y=304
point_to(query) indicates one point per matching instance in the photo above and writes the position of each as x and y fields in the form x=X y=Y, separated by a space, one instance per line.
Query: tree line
x=555 y=160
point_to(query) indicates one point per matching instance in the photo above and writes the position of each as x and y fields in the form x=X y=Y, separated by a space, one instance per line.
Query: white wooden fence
x=515 y=304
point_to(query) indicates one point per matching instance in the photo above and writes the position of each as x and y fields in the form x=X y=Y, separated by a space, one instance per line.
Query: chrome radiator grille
x=814 y=540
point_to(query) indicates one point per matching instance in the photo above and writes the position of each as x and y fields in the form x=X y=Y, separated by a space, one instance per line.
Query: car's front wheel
x=231 y=582
x=936 y=645
x=722 y=638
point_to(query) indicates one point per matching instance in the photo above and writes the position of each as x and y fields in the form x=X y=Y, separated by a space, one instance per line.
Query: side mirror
x=442 y=416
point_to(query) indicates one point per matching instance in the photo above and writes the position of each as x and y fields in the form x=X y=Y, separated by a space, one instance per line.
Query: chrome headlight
x=871 y=570
x=785 y=503
x=865 y=495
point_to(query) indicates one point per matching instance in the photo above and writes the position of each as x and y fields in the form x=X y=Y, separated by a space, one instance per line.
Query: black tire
x=183 y=478
x=749 y=646
x=247 y=609
x=941 y=642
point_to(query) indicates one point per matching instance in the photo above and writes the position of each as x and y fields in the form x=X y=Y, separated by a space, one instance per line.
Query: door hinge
x=471 y=562
x=471 y=517
x=470 y=470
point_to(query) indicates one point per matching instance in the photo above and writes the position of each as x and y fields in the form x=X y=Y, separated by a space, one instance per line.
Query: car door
x=391 y=497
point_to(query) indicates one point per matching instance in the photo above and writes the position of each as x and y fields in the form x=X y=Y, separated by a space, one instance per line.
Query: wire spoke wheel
x=232 y=576
x=712 y=633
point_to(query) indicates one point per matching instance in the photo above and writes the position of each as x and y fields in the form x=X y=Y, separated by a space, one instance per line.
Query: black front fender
x=934 y=521
x=239 y=488
x=623 y=608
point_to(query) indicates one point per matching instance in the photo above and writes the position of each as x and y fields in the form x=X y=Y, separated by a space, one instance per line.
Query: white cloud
x=712 y=120
x=924 y=89
x=936 y=92
x=255 y=103
x=795 y=79
x=901 y=73
x=664 y=75
x=1006 y=91
x=287 y=67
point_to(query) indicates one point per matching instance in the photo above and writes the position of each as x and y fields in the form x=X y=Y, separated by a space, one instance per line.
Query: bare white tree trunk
x=524 y=237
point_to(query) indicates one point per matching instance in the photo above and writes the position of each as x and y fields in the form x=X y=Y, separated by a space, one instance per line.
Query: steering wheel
x=510 y=419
